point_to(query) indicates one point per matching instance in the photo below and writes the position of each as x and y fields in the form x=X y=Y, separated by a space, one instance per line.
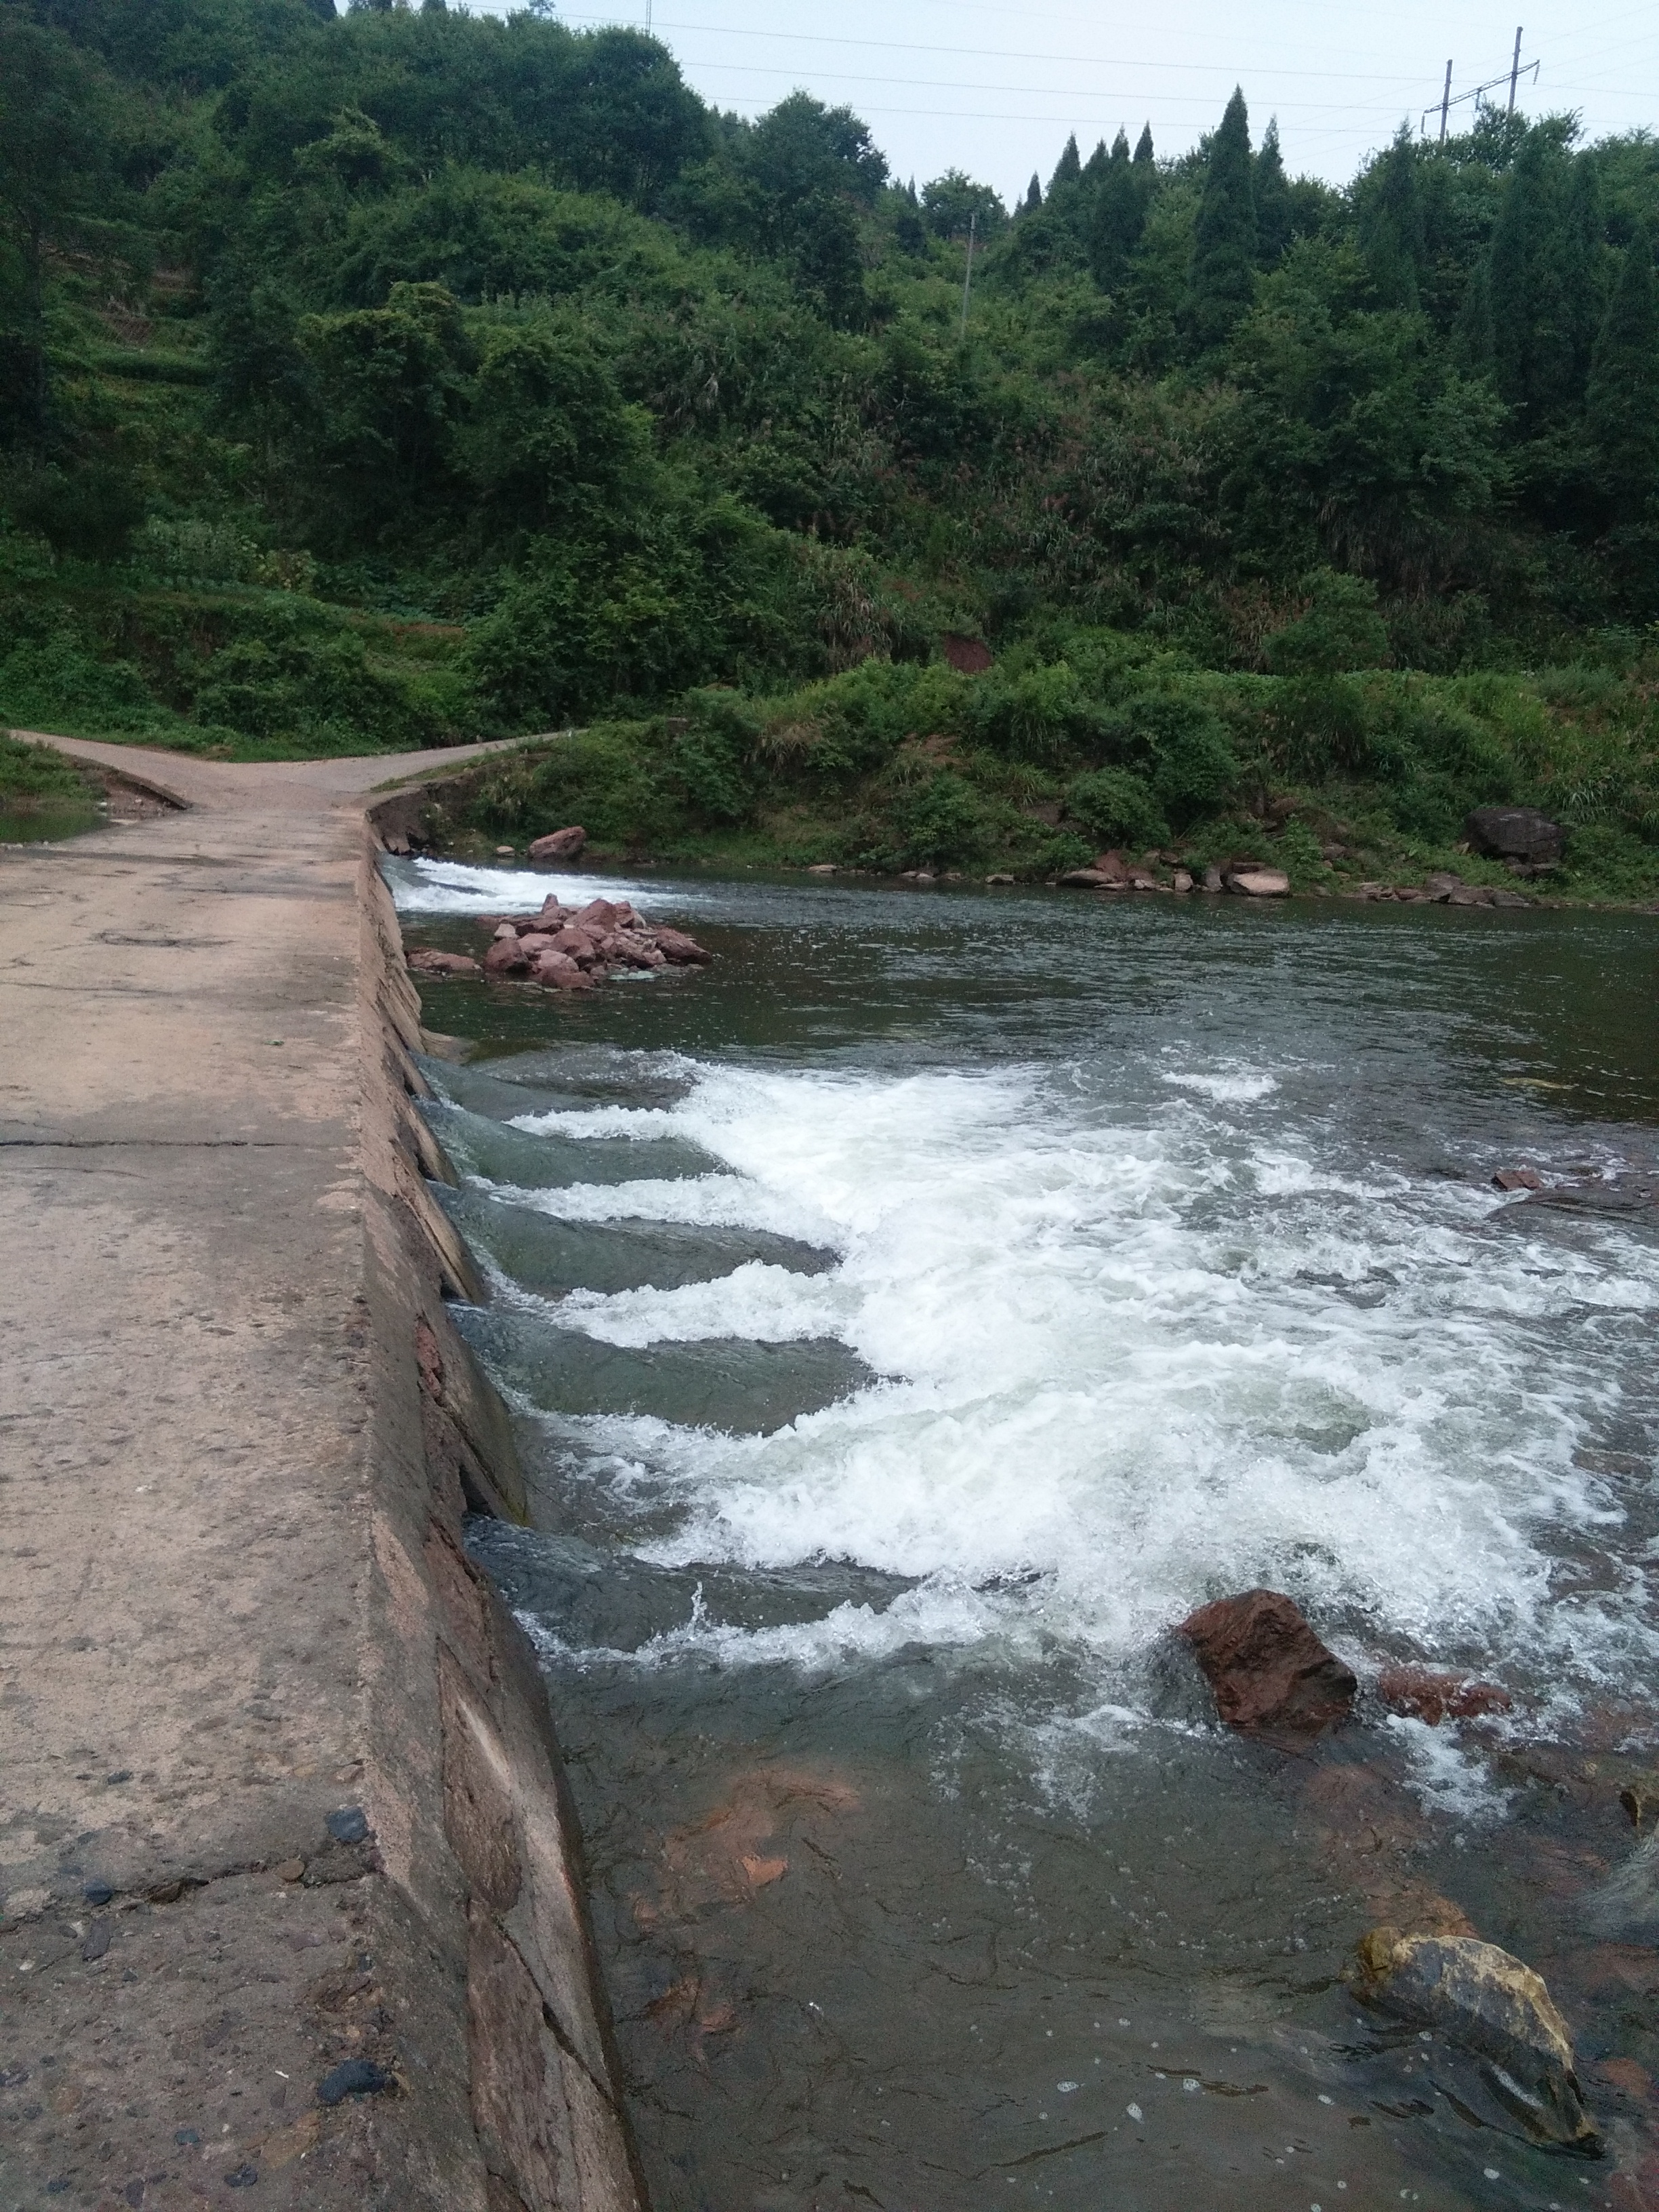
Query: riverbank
x=290 y=1884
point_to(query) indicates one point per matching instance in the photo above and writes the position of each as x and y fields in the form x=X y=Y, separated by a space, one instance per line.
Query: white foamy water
x=1137 y=1360
x=433 y=887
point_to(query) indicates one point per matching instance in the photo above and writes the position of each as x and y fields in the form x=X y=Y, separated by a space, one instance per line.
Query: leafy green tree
x=547 y=438
x=390 y=385
x=952 y=200
x=1222 y=278
x=54 y=185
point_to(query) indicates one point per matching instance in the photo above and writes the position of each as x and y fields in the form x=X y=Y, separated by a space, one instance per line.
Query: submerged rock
x=560 y=844
x=1518 y=1179
x=1494 y=2004
x=1421 y=1693
x=1270 y=1673
x=426 y=960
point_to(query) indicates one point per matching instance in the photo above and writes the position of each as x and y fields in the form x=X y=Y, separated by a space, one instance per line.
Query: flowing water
x=912 y=1316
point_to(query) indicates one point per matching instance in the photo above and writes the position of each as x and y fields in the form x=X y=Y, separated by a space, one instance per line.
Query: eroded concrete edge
x=501 y=1866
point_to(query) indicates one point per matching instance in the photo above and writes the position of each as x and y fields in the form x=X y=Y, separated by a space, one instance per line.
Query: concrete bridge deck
x=278 y=1794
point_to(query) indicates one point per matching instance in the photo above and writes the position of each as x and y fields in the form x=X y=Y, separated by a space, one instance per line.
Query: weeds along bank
x=407 y=376
x=1035 y=765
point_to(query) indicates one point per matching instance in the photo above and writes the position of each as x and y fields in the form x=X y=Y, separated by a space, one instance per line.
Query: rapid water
x=913 y=1316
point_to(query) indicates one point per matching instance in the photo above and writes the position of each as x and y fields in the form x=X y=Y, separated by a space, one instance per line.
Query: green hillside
x=403 y=377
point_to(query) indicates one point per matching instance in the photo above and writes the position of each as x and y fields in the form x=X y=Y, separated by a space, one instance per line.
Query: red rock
x=507 y=957
x=676 y=946
x=598 y=915
x=560 y=970
x=1518 y=1179
x=559 y=844
x=533 y=941
x=623 y=945
x=1422 y=1694
x=1269 y=1670
x=426 y=960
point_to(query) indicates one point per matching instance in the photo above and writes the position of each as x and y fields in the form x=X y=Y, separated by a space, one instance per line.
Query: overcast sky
x=994 y=88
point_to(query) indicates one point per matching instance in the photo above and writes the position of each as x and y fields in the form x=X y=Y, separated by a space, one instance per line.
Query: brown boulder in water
x=559 y=844
x=1494 y=2004
x=427 y=960
x=684 y=952
x=1518 y=1179
x=1270 y=1673
x=1421 y=1693
x=507 y=957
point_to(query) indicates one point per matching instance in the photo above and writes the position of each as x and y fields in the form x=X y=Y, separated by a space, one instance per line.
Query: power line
x=1011 y=54
x=1024 y=91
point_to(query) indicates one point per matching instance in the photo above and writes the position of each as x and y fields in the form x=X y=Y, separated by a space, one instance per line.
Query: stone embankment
x=290 y=1894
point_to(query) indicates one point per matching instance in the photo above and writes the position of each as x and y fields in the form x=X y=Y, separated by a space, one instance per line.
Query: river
x=908 y=1320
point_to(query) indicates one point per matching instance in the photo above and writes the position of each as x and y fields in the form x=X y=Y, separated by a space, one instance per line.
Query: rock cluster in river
x=567 y=948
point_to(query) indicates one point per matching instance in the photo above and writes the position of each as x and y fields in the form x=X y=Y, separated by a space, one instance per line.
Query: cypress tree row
x=1120 y=216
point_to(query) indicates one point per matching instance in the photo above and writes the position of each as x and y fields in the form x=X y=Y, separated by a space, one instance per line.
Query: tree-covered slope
x=403 y=376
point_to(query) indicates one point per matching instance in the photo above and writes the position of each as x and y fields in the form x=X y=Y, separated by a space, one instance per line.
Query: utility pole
x=1445 y=104
x=1515 y=68
x=967 y=282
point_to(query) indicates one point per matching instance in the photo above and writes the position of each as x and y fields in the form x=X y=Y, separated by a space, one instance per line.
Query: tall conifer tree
x=1391 y=225
x=1622 y=405
x=1582 y=254
x=1144 y=147
x=1119 y=216
x=1069 y=167
x=1273 y=199
x=1222 y=277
